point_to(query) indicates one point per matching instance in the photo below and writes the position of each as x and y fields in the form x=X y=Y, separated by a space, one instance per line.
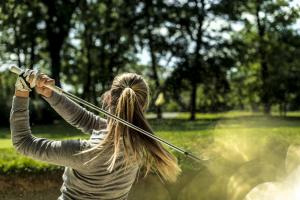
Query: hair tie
x=128 y=87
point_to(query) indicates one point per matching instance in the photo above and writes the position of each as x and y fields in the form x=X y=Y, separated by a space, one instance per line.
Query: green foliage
x=6 y=87
x=13 y=163
x=267 y=58
x=206 y=55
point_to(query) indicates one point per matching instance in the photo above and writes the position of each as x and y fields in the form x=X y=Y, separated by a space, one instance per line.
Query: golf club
x=58 y=90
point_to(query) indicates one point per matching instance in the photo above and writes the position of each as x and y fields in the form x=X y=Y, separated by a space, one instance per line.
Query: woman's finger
x=41 y=80
x=50 y=81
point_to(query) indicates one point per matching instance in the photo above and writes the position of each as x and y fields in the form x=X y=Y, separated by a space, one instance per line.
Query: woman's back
x=94 y=181
x=84 y=177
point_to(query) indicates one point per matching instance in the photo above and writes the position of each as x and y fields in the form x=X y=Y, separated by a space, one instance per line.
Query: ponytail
x=124 y=110
x=127 y=101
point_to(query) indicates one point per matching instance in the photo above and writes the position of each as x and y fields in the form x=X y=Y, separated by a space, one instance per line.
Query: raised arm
x=74 y=114
x=56 y=152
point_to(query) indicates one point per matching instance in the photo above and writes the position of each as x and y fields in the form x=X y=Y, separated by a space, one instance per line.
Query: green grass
x=230 y=134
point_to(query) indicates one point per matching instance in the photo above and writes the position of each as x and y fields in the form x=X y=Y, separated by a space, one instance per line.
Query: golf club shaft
x=93 y=107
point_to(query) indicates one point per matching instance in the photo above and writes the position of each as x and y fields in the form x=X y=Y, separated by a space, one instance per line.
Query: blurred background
x=224 y=78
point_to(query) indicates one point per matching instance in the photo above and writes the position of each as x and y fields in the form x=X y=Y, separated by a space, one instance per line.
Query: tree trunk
x=153 y=58
x=87 y=84
x=32 y=54
x=193 y=101
x=265 y=95
x=156 y=79
x=57 y=30
x=197 y=63
x=265 y=86
x=88 y=75
x=55 y=65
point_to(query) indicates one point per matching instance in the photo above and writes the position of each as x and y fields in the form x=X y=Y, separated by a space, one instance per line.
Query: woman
x=106 y=165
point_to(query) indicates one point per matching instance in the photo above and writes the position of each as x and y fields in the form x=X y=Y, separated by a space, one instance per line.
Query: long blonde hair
x=128 y=99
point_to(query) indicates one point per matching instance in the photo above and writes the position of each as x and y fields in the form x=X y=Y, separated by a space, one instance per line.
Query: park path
x=165 y=115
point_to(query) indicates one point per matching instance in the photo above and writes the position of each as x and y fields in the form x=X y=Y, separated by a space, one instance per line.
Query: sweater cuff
x=20 y=103
x=54 y=99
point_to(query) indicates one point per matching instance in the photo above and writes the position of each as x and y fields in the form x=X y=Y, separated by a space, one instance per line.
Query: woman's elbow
x=19 y=147
x=20 y=144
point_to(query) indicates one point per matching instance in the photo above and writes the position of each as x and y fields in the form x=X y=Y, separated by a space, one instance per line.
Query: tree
x=264 y=22
x=203 y=53
x=152 y=35
x=58 y=20
x=104 y=47
x=20 y=32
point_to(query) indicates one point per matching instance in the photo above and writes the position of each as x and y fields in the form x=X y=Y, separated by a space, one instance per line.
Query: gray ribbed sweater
x=80 y=181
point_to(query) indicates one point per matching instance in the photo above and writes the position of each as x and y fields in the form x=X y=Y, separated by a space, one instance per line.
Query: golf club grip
x=55 y=89
x=18 y=71
x=15 y=69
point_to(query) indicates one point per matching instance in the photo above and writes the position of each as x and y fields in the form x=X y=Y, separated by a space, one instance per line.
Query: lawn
x=239 y=151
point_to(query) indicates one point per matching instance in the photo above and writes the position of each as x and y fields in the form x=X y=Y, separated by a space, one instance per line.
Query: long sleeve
x=55 y=152
x=75 y=115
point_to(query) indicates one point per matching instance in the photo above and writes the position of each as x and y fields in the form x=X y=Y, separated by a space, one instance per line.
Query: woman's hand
x=41 y=83
x=32 y=79
x=19 y=93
